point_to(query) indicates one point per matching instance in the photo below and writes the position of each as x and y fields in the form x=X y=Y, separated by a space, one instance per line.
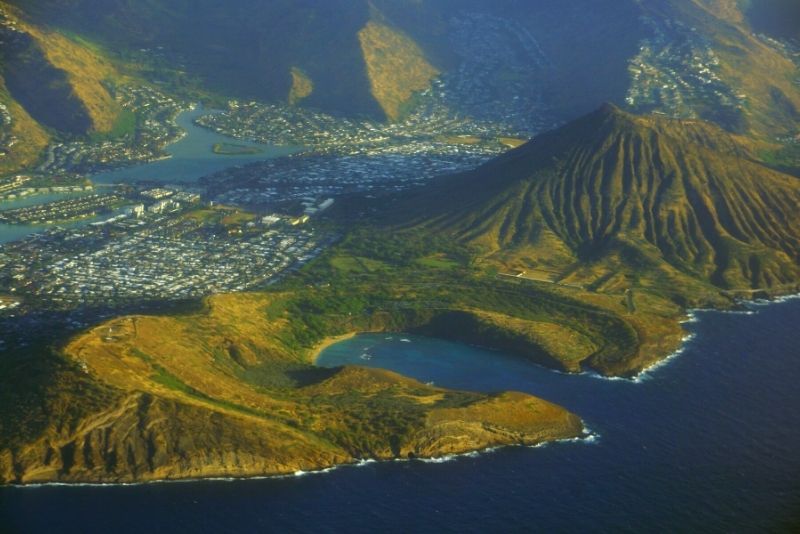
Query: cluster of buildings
x=161 y=268
x=155 y=128
x=470 y=101
x=17 y=192
x=153 y=257
x=61 y=210
x=168 y=243
x=499 y=58
x=12 y=184
x=7 y=139
x=164 y=200
x=430 y=129
x=274 y=182
x=676 y=72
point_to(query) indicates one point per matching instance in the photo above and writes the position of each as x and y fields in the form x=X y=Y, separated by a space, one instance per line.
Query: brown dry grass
x=396 y=66
x=32 y=138
x=193 y=367
x=86 y=70
x=302 y=86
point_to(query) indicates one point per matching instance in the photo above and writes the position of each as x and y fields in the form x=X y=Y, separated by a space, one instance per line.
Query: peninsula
x=225 y=393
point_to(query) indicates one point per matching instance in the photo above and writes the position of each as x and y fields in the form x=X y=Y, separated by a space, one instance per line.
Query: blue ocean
x=708 y=442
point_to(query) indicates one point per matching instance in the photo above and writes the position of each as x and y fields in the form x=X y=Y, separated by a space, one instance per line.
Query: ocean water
x=709 y=442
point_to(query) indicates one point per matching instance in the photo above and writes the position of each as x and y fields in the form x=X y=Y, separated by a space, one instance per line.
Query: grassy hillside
x=422 y=281
x=51 y=85
x=623 y=201
x=579 y=251
x=359 y=63
x=750 y=67
x=88 y=74
x=30 y=138
x=223 y=392
x=368 y=58
x=62 y=83
x=245 y=49
x=396 y=67
x=302 y=86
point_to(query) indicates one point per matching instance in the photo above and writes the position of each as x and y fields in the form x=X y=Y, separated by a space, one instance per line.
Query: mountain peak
x=639 y=200
x=610 y=109
x=607 y=114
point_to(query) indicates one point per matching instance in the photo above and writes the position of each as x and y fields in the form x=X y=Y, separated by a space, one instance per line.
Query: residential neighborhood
x=180 y=252
x=281 y=180
x=155 y=128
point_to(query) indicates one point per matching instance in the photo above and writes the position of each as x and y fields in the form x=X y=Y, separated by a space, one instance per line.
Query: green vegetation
x=40 y=388
x=358 y=265
x=124 y=125
x=223 y=216
x=317 y=56
x=32 y=138
x=414 y=282
x=313 y=56
x=165 y=378
x=231 y=149
x=747 y=65
x=42 y=88
x=785 y=159
x=438 y=262
x=582 y=252
x=63 y=80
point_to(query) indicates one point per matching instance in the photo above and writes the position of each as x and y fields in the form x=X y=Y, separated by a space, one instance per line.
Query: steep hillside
x=61 y=83
x=396 y=67
x=703 y=60
x=686 y=58
x=21 y=138
x=251 y=49
x=302 y=86
x=363 y=57
x=617 y=199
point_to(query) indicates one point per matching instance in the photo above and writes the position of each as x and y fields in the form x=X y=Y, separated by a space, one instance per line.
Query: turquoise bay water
x=32 y=200
x=12 y=232
x=192 y=157
x=707 y=443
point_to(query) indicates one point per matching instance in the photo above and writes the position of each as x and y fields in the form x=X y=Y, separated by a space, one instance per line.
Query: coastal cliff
x=220 y=397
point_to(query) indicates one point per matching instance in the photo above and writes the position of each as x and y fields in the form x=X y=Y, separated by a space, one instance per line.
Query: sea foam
x=588 y=437
x=692 y=317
